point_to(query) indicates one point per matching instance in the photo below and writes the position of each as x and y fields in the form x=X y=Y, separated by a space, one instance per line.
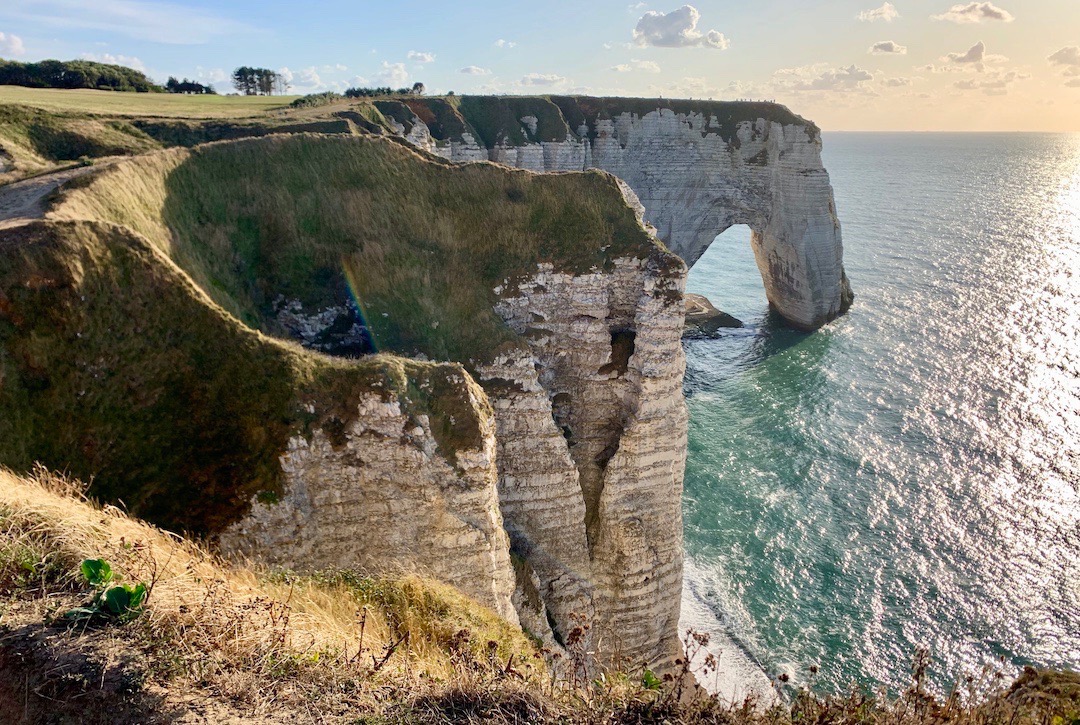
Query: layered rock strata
x=552 y=494
x=378 y=495
x=592 y=444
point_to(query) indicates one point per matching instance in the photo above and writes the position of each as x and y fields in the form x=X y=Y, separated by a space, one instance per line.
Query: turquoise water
x=909 y=475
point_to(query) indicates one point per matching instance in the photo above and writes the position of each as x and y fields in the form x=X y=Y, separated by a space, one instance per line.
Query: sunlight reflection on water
x=911 y=474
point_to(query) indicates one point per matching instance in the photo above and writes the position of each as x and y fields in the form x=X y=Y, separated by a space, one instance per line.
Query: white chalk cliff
x=696 y=177
x=582 y=450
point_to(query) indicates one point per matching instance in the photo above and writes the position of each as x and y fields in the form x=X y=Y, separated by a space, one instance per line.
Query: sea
x=907 y=478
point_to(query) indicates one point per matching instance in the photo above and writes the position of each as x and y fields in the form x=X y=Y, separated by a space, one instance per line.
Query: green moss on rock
x=498 y=119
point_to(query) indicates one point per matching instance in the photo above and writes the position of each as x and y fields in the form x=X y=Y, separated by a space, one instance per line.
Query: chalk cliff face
x=542 y=475
x=699 y=169
x=589 y=423
x=592 y=444
x=378 y=495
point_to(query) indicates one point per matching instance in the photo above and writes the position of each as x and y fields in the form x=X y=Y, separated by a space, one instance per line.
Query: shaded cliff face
x=592 y=445
x=697 y=167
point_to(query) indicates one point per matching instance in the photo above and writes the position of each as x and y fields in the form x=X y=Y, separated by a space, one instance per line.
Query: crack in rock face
x=591 y=449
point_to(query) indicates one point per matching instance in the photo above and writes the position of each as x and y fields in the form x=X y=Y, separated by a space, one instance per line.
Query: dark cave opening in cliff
x=728 y=276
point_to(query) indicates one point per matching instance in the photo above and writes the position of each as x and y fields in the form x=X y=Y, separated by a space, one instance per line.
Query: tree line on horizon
x=189 y=87
x=75 y=74
x=250 y=81
x=247 y=80
x=417 y=89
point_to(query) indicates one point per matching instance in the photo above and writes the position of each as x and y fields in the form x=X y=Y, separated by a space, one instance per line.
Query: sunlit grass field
x=142 y=104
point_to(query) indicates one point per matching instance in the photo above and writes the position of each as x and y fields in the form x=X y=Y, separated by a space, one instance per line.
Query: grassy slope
x=41 y=128
x=423 y=243
x=116 y=365
x=37 y=140
x=34 y=141
x=113 y=365
x=229 y=643
x=253 y=643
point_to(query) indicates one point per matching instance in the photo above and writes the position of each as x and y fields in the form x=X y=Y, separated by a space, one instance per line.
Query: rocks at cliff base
x=336 y=329
x=703 y=319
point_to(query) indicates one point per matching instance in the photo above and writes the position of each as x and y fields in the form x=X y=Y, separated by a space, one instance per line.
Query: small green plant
x=650 y=681
x=111 y=602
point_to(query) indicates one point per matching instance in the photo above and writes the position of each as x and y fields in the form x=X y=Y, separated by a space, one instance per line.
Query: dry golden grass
x=233 y=643
x=258 y=640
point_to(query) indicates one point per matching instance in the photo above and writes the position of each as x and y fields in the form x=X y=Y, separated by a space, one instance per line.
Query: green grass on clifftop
x=115 y=367
x=420 y=243
x=177 y=105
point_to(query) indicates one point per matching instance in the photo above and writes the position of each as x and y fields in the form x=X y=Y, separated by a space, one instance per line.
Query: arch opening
x=727 y=274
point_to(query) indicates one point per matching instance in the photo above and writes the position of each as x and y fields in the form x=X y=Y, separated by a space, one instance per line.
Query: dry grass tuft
x=259 y=641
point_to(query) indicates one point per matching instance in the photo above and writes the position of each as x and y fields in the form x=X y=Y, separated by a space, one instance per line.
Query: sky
x=905 y=65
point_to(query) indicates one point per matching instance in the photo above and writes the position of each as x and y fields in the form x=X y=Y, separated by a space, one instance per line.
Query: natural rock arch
x=698 y=168
x=694 y=186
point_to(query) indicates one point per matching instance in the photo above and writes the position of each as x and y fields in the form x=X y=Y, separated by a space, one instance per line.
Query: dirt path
x=25 y=200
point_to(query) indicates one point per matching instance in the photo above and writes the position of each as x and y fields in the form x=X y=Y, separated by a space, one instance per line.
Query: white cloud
x=1069 y=56
x=500 y=43
x=11 y=45
x=643 y=66
x=211 y=75
x=823 y=78
x=159 y=22
x=358 y=81
x=700 y=87
x=974 y=57
x=306 y=80
x=1069 y=59
x=127 y=60
x=886 y=12
x=994 y=84
x=888 y=47
x=542 y=79
x=392 y=74
x=974 y=54
x=677 y=29
x=896 y=82
x=419 y=56
x=975 y=12
x=475 y=70
x=336 y=68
